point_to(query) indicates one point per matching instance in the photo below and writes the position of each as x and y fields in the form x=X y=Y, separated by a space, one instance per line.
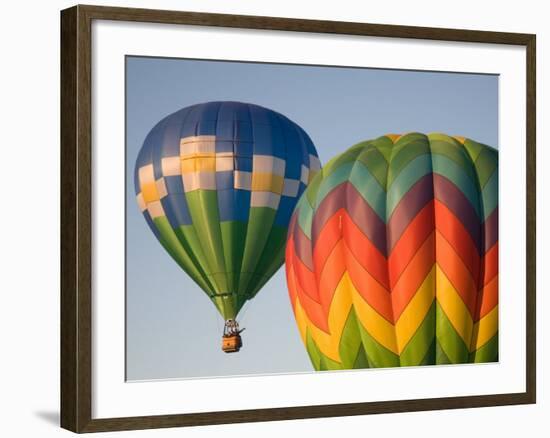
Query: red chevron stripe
x=372 y=291
x=452 y=197
x=304 y=277
x=413 y=276
x=458 y=237
x=454 y=269
x=346 y=196
x=326 y=241
x=490 y=229
x=312 y=309
x=488 y=299
x=363 y=250
x=408 y=207
x=490 y=264
x=410 y=242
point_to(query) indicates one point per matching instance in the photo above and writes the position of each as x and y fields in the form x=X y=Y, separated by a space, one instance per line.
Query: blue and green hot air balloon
x=217 y=183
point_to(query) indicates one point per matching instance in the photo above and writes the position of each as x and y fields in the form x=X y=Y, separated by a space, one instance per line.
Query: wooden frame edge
x=76 y=226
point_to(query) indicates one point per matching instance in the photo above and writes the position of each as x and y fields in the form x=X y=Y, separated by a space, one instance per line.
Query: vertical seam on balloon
x=219 y=222
x=200 y=239
x=435 y=291
x=246 y=239
x=386 y=223
x=480 y=286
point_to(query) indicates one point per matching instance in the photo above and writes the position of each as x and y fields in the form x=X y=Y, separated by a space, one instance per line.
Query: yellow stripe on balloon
x=267 y=182
x=416 y=311
x=328 y=343
x=301 y=319
x=484 y=329
x=203 y=163
x=376 y=325
x=453 y=306
x=149 y=192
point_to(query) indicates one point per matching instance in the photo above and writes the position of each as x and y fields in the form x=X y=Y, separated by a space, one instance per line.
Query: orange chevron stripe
x=370 y=290
x=289 y=272
x=490 y=264
x=456 y=271
x=488 y=298
x=413 y=276
x=304 y=277
x=410 y=242
x=458 y=237
x=363 y=250
x=312 y=308
x=331 y=275
x=327 y=239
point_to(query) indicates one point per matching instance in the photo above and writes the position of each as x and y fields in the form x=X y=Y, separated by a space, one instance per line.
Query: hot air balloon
x=392 y=255
x=217 y=183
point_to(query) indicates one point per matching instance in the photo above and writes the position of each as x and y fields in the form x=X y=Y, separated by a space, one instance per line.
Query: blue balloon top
x=246 y=140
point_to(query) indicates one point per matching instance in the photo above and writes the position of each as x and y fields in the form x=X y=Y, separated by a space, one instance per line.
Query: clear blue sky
x=173 y=330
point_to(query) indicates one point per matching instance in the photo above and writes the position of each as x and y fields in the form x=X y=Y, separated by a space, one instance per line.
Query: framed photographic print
x=268 y=218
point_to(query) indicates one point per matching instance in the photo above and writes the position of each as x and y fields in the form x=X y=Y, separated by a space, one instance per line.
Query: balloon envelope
x=217 y=183
x=392 y=255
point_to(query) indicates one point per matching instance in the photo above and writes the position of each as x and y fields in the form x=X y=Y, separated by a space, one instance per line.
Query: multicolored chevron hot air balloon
x=392 y=255
x=217 y=183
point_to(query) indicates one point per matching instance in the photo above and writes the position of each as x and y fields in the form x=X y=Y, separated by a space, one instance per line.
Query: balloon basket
x=231 y=340
x=232 y=344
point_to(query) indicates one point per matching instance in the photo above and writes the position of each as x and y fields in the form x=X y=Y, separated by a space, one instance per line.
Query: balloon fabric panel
x=392 y=255
x=217 y=183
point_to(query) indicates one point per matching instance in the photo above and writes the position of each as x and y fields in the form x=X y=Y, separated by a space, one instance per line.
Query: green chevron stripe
x=486 y=164
x=418 y=347
x=441 y=357
x=489 y=195
x=416 y=169
x=361 y=361
x=454 y=173
x=487 y=352
x=375 y=161
x=340 y=160
x=313 y=187
x=449 y=340
x=378 y=356
x=403 y=155
x=430 y=357
x=305 y=215
x=350 y=341
x=456 y=153
x=384 y=145
x=328 y=364
x=473 y=148
x=313 y=351
x=369 y=188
